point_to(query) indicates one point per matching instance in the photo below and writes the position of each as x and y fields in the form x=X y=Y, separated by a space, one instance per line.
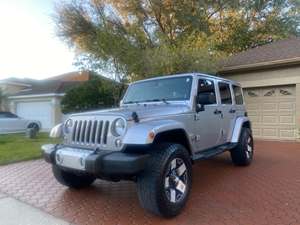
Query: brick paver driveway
x=267 y=192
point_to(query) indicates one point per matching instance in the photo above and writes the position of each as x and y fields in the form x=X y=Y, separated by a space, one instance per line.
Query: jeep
x=163 y=126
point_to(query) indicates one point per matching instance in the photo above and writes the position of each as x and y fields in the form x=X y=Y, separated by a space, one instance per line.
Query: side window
x=206 y=91
x=225 y=93
x=238 y=95
x=11 y=115
x=8 y=115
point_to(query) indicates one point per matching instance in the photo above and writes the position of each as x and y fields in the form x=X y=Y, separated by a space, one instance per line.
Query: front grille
x=90 y=132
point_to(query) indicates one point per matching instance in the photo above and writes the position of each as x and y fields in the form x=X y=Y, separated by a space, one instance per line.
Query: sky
x=28 y=45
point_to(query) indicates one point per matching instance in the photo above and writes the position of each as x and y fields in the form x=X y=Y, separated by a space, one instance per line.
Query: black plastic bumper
x=107 y=163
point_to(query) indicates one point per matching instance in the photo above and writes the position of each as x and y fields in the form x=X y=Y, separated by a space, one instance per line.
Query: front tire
x=72 y=180
x=164 y=186
x=242 y=154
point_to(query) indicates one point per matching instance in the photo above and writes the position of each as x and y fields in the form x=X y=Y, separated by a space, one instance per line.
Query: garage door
x=272 y=111
x=40 y=111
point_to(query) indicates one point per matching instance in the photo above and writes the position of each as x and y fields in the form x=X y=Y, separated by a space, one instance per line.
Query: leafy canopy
x=134 y=39
x=96 y=93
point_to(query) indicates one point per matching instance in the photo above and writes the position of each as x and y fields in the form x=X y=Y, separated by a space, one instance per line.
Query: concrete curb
x=14 y=212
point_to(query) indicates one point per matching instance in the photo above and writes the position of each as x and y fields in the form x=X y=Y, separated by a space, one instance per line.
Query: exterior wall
x=57 y=114
x=4 y=106
x=271 y=77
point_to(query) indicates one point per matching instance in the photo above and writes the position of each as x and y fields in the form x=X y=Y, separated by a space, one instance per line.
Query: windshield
x=167 y=89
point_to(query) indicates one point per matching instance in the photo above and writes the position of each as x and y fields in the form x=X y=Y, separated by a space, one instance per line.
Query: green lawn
x=16 y=147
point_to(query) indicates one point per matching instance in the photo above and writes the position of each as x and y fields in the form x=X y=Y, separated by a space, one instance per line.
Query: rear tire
x=164 y=186
x=72 y=180
x=242 y=154
x=34 y=126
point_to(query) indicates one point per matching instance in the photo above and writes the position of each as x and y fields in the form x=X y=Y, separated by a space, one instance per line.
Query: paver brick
x=267 y=192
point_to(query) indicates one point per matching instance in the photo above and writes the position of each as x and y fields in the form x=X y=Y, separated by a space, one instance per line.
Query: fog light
x=118 y=143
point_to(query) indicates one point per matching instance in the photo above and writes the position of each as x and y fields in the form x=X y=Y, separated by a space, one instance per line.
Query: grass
x=17 y=147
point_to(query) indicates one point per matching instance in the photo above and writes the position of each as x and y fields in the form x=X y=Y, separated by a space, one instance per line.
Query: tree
x=96 y=93
x=2 y=99
x=134 y=39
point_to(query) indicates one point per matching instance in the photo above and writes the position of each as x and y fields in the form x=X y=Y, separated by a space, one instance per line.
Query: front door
x=208 y=120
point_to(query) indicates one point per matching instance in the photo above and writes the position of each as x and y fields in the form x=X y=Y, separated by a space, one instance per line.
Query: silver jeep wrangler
x=162 y=127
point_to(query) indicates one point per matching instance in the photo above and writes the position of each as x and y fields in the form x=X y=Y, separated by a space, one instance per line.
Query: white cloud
x=28 y=46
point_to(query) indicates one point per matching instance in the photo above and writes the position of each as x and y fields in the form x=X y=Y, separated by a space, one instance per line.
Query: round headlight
x=68 y=126
x=119 y=126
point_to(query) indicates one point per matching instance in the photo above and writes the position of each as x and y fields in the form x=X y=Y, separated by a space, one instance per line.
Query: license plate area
x=72 y=158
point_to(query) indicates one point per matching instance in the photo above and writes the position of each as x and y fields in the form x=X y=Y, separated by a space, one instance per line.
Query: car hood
x=143 y=111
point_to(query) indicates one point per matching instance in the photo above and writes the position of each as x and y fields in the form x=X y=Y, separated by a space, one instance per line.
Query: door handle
x=217 y=111
x=232 y=111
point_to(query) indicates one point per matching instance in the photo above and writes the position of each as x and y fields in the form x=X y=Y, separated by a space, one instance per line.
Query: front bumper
x=99 y=163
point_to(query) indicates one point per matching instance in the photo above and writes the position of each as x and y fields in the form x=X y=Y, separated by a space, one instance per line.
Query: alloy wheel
x=249 y=149
x=176 y=180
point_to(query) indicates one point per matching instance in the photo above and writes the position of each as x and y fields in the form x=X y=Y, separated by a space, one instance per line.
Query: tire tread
x=238 y=154
x=147 y=181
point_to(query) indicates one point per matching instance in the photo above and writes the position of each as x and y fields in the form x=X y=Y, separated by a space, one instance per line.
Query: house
x=270 y=76
x=40 y=99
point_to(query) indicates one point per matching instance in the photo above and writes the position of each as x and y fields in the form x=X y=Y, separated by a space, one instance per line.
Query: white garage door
x=40 y=111
x=272 y=111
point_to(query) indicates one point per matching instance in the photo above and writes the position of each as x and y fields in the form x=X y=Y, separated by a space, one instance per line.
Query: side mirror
x=199 y=104
x=199 y=108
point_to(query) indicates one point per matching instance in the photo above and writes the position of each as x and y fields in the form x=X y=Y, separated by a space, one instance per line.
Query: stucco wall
x=57 y=114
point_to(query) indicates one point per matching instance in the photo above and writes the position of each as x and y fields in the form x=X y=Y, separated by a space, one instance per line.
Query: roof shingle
x=283 y=50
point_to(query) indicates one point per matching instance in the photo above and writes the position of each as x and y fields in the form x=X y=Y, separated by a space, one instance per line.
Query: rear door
x=228 y=111
x=239 y=106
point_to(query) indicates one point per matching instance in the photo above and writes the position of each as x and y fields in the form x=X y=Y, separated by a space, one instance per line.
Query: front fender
x=237 y=128
x=139 y=132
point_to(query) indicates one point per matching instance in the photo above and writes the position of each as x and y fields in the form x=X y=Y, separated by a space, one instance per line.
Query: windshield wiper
x=132 y=102
x=158 y=100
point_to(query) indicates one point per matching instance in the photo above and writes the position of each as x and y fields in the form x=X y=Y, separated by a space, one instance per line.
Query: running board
x=206 y=154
